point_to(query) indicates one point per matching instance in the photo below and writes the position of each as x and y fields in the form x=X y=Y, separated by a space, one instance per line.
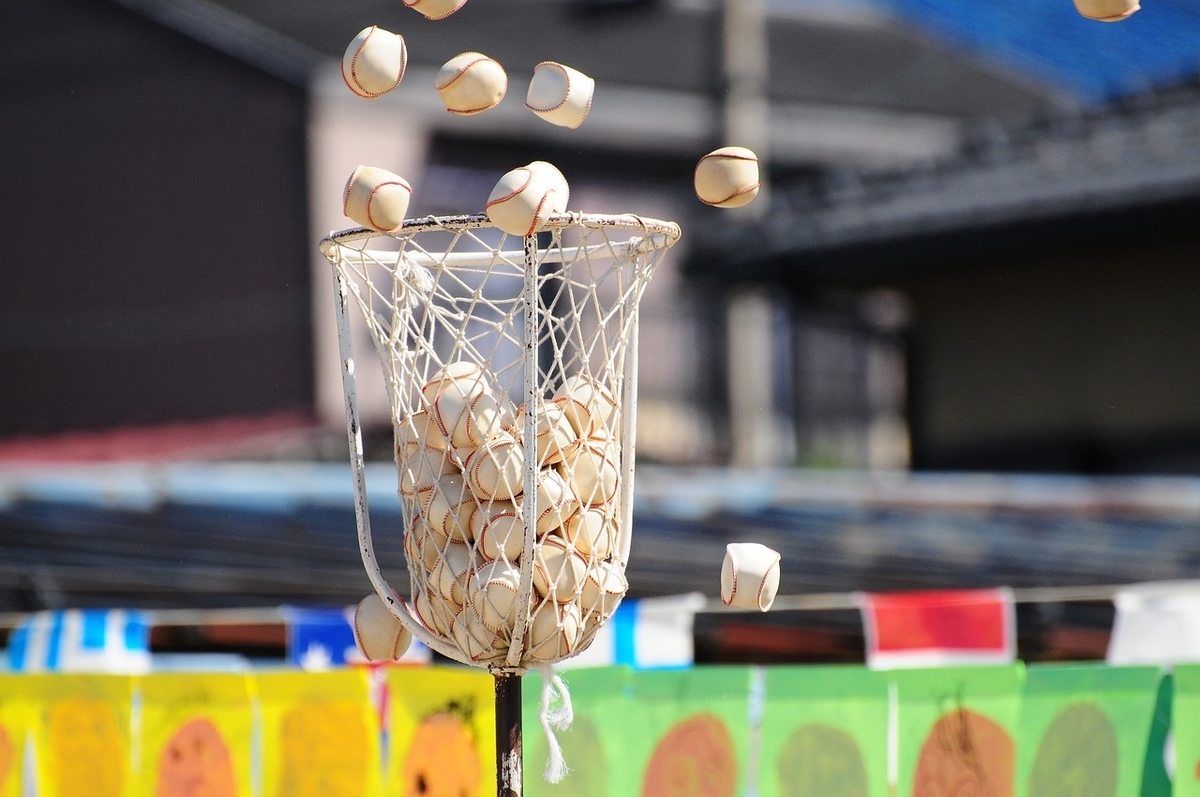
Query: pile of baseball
x=462 y=462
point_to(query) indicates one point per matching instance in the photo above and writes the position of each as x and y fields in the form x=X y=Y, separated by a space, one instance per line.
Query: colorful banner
x=955 y=731
x=320 y=734
x=1085 y=730
x=823 y=733
x=197 y=735
x=939 y=628
x=597 y=744
x=81 y=640
x=14 y=725
x=688 y=732
x=442 y=736
x=82 y=732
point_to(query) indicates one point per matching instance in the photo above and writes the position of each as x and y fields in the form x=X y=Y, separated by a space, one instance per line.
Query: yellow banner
x=320 y=734
x=14 y=724
x=442 y=735
x=82 y=734
x=197 y=735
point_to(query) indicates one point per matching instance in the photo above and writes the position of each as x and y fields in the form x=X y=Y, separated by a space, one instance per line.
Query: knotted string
x=556 y=712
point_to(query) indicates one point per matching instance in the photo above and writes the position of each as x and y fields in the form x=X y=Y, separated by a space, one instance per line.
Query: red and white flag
x=939 y=628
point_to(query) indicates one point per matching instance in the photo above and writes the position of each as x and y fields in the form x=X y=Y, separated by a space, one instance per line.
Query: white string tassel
x=556 y=712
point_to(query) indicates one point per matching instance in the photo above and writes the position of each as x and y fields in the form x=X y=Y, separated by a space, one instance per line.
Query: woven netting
x=510 y=366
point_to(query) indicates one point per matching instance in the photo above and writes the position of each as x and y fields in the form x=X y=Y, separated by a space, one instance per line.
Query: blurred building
x=172 y=168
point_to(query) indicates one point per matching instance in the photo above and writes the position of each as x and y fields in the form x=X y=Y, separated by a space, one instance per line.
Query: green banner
x=595 y=747
x=688 y=732
x=823 y=733
x=955 y=730
x=1085 y=730
x=1186 y=730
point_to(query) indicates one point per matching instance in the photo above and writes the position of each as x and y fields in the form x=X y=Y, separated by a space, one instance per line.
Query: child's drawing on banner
x=197 y=732
x=442 y=734
x=82 y=731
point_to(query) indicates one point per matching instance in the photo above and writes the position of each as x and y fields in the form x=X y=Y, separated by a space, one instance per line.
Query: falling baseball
x=520 y=203
x=435 y=9
x=471 y=83
x=558 y=569
x=554 y=632
x=1107 y=10
x=749 y=576
x=727 y=177
x=560 y=94
x=374 y=62
x=379 y=634
x=376 y=198
x=494 y=589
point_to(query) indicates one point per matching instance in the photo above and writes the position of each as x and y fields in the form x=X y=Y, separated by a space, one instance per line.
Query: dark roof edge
x=233 y=35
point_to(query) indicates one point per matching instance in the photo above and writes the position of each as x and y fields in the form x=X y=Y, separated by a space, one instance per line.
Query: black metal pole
x=508 y=734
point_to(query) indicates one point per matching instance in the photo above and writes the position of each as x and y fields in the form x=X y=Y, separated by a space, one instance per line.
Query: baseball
x=477 y=422
x=421 y=467
x=560 y=94
x=447 y=507
x=497 y=468
x=471 y=83
x=376 y=198
x=558 y=570
x=550 y=174
x=498 y=530
x=379 y=634
x=520 y=203
x=554 y=435
x=1107 y=10
x=434 y=617
x=588 y=405
x=422 y=551
x=592 y=531
x=419 y=428
x=603 y=589
x=451 y=394
x=493 y=594
x=554 y=632
x=554 y=501
x=475 y=640
x=727 y=177
x=435 y=9
x=592 y=471
x=749 y=576
x=453 y=572
x=374 y=62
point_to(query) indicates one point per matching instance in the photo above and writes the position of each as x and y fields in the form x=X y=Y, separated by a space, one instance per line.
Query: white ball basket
x=511 y=370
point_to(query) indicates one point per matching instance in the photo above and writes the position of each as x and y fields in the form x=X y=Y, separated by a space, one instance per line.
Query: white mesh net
x=511 y=369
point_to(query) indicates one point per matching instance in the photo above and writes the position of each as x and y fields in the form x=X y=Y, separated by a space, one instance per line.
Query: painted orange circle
x=442 y=760
x=195 y=762
x=7 y=757
x=87 y=752
x=694 y=759
x=821 y=761
x=965 y=755
x=324 y=747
